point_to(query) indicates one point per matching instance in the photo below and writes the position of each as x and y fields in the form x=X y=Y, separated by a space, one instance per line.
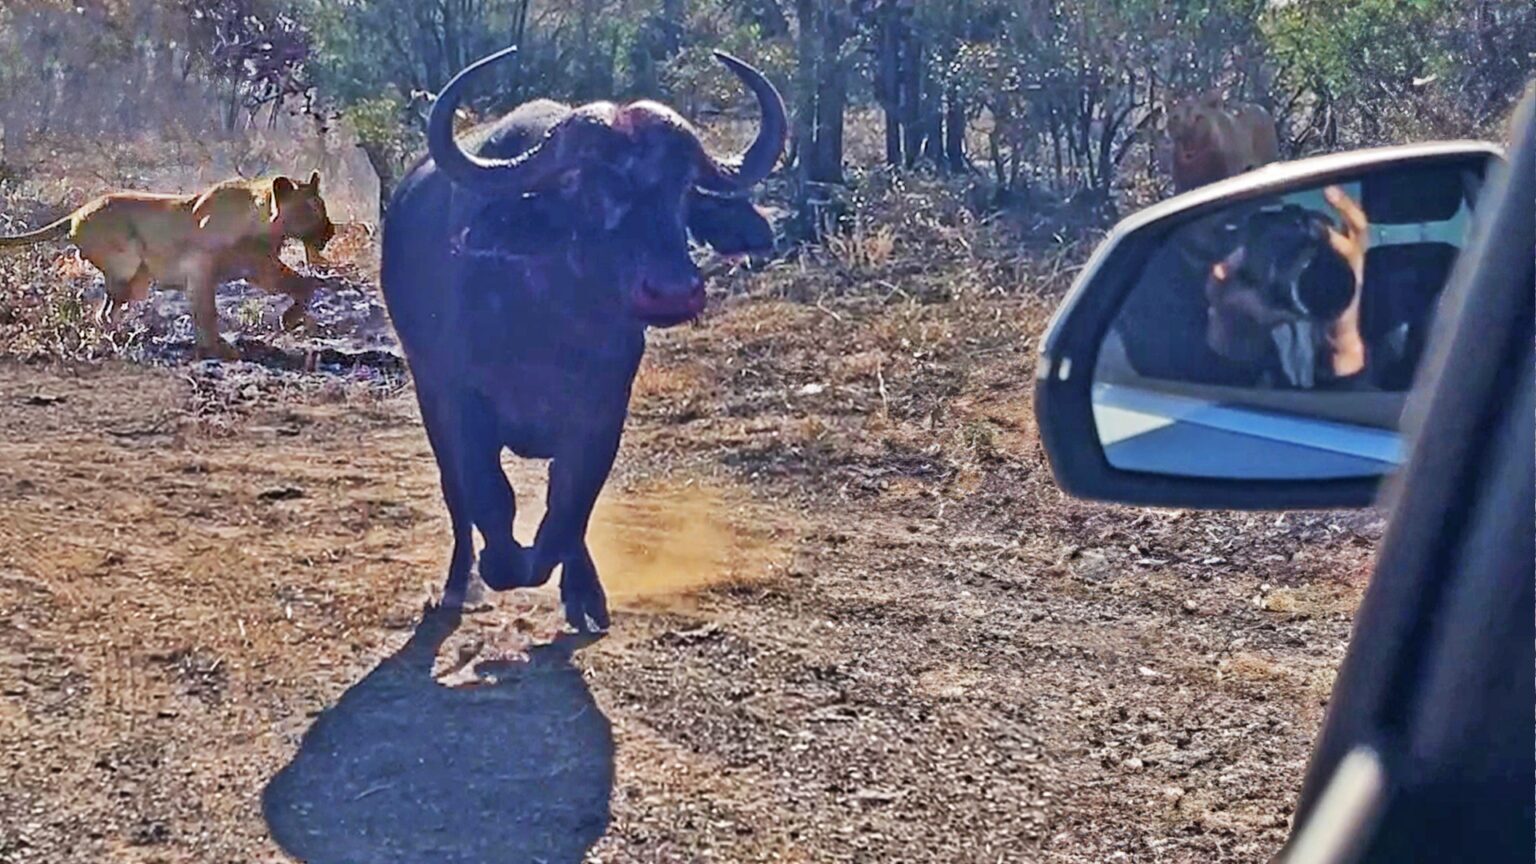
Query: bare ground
x=856 y=622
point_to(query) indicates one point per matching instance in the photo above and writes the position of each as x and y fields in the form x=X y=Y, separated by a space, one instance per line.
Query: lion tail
x=52 y=231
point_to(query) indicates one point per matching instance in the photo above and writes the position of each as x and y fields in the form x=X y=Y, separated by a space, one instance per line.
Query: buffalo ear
x=314 y=180
x=731 y=225
x=283 y=186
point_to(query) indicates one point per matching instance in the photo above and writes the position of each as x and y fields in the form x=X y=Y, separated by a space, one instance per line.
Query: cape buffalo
x=521 y=272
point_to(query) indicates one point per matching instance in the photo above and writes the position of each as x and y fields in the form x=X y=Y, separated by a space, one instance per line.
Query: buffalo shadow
x=403 y=769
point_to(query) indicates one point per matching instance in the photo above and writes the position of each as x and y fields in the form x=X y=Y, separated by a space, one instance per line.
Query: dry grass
x=1312 y=600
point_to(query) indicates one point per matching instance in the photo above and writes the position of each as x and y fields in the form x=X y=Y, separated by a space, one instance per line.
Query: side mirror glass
x=1258 y=343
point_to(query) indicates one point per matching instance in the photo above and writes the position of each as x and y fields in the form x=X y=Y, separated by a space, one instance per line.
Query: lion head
x=301 y=211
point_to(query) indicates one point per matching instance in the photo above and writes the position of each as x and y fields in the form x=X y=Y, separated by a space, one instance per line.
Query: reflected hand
x=1350 y=244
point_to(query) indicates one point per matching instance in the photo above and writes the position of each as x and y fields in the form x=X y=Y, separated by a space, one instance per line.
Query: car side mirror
x=1251 y=344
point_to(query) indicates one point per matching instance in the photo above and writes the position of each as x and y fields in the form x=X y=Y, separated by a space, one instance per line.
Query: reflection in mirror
x=1276 y=339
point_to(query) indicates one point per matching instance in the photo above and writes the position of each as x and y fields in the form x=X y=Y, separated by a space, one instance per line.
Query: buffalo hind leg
x=575 y=481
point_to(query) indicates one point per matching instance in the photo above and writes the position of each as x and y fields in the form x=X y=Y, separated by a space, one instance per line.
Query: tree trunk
x=933 y=120
x=822 y=81
x=586 y=55
x=232 y=107
x=888 y=79
x=995 y=151
x=1056 y=155
x=954 y=131
x=769 y=18
x=673 y=15
x=805 y=85
x=912 y=96
x=384 y=169
x=827 y=164
x=515 y=64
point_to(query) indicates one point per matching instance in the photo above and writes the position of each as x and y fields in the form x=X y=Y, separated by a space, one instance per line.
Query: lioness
x=233 y=230
x=1214 y=139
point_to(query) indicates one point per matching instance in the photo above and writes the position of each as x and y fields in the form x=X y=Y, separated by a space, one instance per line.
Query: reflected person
x=1257 y=295
x=1288 y=296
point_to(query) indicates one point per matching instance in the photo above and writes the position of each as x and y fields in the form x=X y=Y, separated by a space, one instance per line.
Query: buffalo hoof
x=504 y=569
x=587 y=614
x=586 y=606
x=475 y=598
x=469 y=597
x=438 y=621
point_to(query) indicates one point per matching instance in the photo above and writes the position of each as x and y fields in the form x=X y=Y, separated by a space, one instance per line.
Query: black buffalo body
x=521 y=272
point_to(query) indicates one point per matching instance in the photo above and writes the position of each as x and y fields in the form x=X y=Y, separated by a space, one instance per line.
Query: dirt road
x=856 y=622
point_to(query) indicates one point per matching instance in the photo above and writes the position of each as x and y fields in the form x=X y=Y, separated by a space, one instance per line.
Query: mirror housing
x=1069 y=353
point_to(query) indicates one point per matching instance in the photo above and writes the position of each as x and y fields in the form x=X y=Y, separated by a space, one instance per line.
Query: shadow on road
x=403 y=769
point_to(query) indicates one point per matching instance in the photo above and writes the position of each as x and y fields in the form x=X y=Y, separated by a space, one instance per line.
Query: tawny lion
x=233 y=230
x=1214 y=139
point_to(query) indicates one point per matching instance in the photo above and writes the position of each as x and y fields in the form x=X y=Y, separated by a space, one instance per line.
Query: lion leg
x=123 y=271
x=274 y=277
x=302 y=290
x=119 y=293
x=110 y=312
x=138 y=286
x=201 y=290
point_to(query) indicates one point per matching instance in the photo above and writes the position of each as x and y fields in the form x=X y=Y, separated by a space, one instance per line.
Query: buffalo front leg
x=575 y=481
x=581 y=591
x=438 y=415
x=492 y=504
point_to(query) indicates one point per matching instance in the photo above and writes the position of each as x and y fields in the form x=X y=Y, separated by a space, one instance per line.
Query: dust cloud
x=658 y=544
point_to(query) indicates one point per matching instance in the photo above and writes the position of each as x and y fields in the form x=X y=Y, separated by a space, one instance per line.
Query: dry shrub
x=914 y=237
x=46 y=310
x=863 y=250
x=355 y=248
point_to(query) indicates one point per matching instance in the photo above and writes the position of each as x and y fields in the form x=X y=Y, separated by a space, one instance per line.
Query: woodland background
x=1036 y=102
